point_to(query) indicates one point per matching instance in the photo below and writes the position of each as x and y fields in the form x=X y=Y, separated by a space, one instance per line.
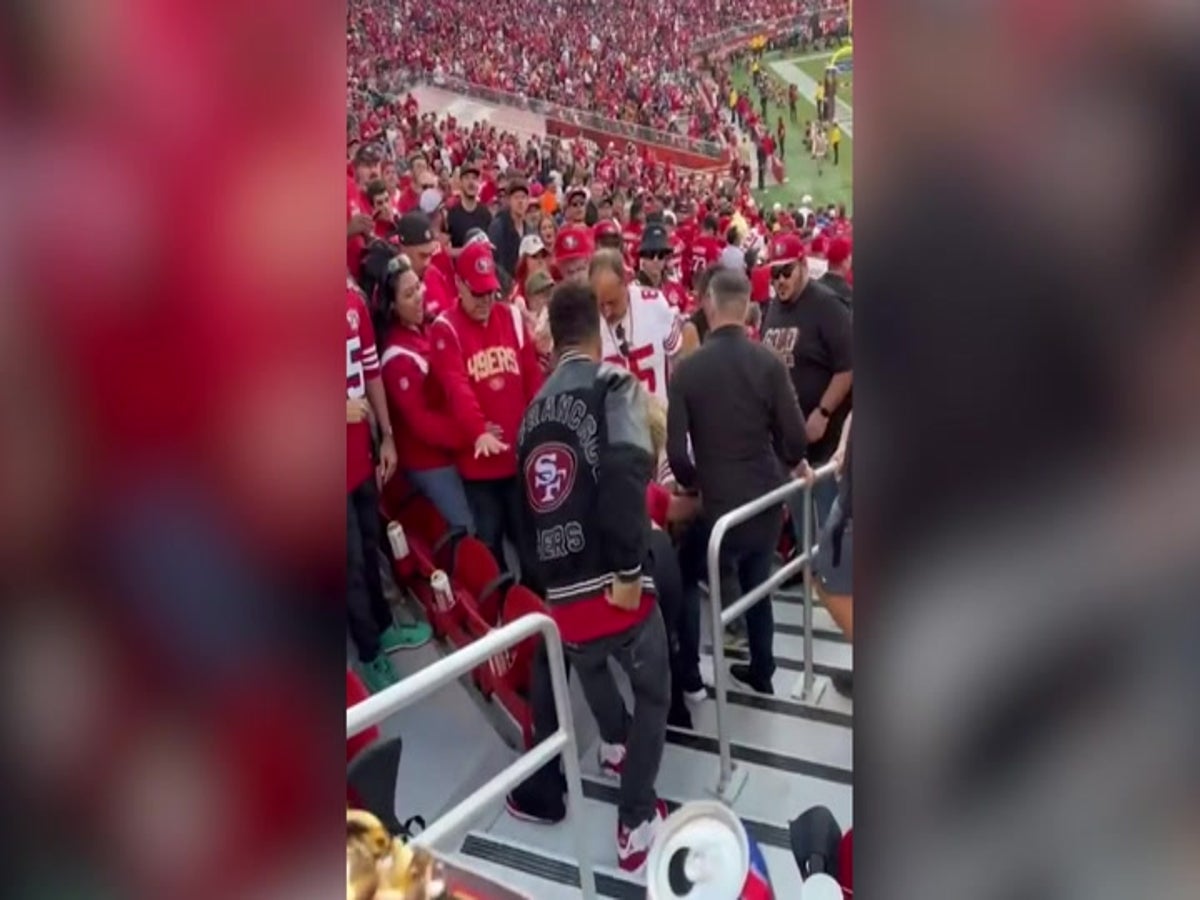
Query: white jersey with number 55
x=650 y=333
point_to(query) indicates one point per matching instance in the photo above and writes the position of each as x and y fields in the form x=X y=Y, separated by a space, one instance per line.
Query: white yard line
x=809 y=57
x=808 y=86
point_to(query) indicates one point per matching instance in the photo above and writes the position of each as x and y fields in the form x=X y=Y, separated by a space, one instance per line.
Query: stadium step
x=795 y=756
x=539 y=859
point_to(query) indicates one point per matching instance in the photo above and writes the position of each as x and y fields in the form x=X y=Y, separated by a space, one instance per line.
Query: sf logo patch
x=549 y=476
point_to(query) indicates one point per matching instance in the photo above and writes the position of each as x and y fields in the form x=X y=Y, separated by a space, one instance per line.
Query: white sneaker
x=612 y=759
x=696 y=696
x=633 y=844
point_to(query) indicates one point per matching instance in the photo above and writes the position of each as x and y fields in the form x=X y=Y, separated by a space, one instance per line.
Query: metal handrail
x=415 y=687
x=722 y=617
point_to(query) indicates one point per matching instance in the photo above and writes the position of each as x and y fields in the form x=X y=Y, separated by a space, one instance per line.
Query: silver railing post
x=415 y=687
x=809 y=515
x=718 y=651
x=570 y=756
x=729 y=779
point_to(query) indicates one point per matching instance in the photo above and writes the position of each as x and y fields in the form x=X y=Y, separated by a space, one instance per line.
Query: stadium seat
x=515 y=672
x=475 y=569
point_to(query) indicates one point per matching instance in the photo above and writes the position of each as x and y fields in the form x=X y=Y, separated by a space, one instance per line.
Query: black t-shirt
x=459 y=221
x=839 y=286
x=812 y=335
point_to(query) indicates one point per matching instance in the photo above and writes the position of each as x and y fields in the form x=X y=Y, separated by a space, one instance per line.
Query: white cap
x=778 y=207
x=531 y=245
x=732 y=258
x=806 y=200
x=431 y=201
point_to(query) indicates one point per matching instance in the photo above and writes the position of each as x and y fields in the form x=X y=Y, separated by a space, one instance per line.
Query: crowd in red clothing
x=633 y=62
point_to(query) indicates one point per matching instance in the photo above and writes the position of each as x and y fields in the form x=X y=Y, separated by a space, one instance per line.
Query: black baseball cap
x=368 y=155
x=655 y=239
x=471 y=165
x=414 y=229
x=518 y=186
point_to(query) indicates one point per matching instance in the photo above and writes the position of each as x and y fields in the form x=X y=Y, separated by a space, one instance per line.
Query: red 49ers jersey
x=652 y=332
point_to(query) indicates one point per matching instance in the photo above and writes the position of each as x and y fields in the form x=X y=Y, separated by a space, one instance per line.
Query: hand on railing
x=804 y=472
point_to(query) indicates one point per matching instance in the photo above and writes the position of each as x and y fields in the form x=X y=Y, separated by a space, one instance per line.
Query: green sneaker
x=378 y=673
x=405 y=637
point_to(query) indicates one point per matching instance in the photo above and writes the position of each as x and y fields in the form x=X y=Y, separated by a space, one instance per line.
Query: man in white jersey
x=640 y=331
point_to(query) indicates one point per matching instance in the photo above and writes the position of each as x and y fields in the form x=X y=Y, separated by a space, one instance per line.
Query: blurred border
x=1027 y=471
x=171 y=512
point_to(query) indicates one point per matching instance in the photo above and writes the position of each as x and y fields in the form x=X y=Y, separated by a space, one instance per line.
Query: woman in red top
x=428 y=436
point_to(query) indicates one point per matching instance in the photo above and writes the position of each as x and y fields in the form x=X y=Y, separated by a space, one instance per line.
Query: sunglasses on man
x=656 y=254
x=784 y=271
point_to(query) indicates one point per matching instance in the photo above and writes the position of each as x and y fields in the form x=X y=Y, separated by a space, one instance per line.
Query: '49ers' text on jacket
x=490 y=372
x=585 y=460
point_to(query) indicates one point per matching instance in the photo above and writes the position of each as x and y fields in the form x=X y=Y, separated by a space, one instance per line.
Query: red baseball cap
x=477 y=268
x=575 y=242
x=606 y=228
x=786 y=247
x=839 y=251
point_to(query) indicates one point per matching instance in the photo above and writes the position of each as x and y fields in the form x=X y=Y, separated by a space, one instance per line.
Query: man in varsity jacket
x=584 y=460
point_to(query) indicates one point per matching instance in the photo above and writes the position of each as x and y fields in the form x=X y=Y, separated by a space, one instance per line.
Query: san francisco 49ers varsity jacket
x=584 y=460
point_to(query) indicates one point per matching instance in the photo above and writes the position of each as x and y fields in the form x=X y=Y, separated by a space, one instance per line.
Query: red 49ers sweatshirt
x=490 y=372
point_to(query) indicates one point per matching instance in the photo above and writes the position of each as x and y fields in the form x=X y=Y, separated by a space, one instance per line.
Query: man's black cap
x=518 y=186
x=368 y=155
x=471 y=165
x=414 y=229
x=655 y=239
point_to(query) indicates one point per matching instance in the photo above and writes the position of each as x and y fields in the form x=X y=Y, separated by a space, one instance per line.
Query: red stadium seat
x=514 y=672
x=476 y=570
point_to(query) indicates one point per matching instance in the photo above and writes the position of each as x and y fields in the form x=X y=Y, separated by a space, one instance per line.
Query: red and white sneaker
x=633 y=844
x=612 y=759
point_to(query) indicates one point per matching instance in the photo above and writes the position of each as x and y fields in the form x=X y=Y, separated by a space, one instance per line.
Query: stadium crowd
x=629 y=62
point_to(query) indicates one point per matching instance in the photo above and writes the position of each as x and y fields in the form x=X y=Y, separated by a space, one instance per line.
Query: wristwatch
x=824 y=412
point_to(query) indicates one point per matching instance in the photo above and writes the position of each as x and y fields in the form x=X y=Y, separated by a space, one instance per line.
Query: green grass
x=835 y=185
x=814 y=67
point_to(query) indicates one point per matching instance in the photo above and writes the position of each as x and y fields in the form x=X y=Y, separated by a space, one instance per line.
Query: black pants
x=744 y=566
x=681 y=619
x=494 y=505
x=642 y=651
x=762 y=173
x=835 y=153
x=369 y=612
x=681 y=613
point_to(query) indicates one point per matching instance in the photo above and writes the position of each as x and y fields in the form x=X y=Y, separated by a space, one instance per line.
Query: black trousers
x=369 y=612
x=835 y=153
x=494 y=505
x=683 y=646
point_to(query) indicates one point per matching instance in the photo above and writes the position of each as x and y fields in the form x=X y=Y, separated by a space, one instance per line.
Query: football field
x=834 y=184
